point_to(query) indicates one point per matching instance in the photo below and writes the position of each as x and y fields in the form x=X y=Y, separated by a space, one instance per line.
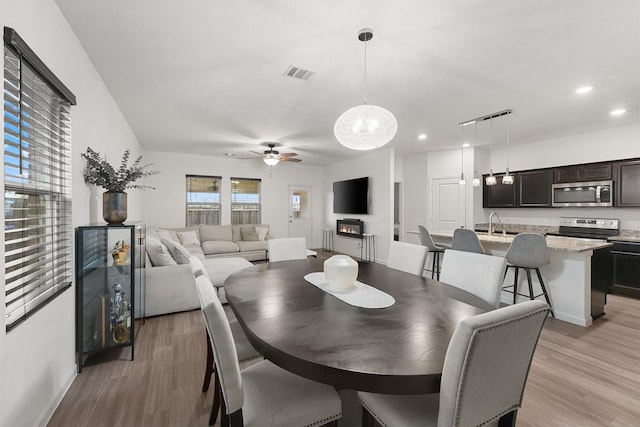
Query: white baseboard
x=48 y=413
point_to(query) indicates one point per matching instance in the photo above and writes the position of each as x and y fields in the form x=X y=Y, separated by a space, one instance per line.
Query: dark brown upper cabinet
x=499 y=195
x=579 y=173
x=628 y=183
x=534 y=188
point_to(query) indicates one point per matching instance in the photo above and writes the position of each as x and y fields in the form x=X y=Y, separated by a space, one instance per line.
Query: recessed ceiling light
x=584 y=89
x=618 y=112
x=466 y=144
x=422 y=136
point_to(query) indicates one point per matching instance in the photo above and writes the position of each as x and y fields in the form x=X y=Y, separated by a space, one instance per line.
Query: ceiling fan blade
x=288 y=159
x=256 y=152
x=288 y=154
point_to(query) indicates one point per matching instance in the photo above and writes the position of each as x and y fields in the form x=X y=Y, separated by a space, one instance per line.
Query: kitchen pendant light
x=476 y=180
x=462 y=181
x=365 y=127
x=491 y=180
x=507 y=179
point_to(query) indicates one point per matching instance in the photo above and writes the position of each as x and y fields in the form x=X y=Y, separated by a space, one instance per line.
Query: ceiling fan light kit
x=365 y=127
x=271 y=159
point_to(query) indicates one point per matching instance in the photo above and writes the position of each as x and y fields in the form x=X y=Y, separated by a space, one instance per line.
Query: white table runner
x=358 y=295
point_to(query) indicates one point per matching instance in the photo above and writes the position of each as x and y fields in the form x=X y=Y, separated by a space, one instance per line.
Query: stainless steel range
x=588 y=228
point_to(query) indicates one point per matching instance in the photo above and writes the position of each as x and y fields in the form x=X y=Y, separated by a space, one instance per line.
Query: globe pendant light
x=365 y=127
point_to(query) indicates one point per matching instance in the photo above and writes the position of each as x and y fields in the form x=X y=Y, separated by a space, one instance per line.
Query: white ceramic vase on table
x=341 y=272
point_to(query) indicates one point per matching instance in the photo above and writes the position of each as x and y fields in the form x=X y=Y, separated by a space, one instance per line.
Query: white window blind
x=37 y=182
x=245 y=201
x=203 y=200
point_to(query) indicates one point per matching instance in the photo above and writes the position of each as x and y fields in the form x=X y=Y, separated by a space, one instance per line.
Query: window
x=245 y=201
x=203 y=200
x=37 y=182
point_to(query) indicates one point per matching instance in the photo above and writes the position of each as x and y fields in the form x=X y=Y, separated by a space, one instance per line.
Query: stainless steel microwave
x=583 y=194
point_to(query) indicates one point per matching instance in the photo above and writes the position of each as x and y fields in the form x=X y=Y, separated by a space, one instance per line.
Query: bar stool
x=466 y=240
x=426 y=240
x=528 y=251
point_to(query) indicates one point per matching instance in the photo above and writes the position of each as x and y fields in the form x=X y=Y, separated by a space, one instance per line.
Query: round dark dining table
x=303 y=329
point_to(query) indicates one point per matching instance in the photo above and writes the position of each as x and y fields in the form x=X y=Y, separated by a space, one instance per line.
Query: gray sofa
x=216 y=241
x=223 y=249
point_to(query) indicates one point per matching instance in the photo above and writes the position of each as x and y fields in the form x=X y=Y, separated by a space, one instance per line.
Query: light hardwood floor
x=579 y=377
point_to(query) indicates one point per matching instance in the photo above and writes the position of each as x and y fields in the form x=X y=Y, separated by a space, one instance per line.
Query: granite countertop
x=559 y=243
x=627 y=236
x=623 y=236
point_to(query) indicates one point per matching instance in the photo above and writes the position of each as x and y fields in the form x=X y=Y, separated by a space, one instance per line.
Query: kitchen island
x=576 y=278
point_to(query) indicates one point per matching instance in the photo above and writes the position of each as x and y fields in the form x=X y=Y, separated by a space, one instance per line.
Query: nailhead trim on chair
x=325 y=420
x=369 y=410
x=472 y=347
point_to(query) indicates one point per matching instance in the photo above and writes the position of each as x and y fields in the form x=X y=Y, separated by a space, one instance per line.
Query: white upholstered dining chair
x=264 y=394
x=483 y=378
x=407 y=257
x=287 y=248
x=245 y=351
x=479 y=274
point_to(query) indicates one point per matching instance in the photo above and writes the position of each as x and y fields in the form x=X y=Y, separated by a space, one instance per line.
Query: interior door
x=447 y=208
x=300 y=213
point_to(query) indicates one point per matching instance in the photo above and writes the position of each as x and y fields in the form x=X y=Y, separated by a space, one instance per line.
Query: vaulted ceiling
x=206 y=77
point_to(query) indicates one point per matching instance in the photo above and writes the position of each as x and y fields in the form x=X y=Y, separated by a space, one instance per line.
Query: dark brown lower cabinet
x=625 y=263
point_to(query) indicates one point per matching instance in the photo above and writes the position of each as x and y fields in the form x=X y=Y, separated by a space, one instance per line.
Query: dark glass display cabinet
x=110 y=281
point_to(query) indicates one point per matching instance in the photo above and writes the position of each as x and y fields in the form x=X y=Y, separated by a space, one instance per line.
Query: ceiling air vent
x=298 y=73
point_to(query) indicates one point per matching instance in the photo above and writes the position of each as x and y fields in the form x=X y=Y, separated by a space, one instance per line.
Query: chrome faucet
x=491 y=221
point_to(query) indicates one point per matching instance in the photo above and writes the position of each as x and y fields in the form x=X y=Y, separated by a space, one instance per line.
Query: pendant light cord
x=475 y=154
x=462 y=150
x=508 y=142
x=366 y=39
x=491 y=151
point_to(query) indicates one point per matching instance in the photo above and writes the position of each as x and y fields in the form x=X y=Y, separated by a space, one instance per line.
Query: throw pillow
x=168 y=234
x=158 y=253
x=189 y=238
x=179 y=253
x=262 y=232
x=249 y=233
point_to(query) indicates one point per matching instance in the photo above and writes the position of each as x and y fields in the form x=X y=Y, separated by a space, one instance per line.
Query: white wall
x=379 y=167
x=609 y=144
x=165 y=207
x=415 y=193
x=37 y=358
x=419 y=170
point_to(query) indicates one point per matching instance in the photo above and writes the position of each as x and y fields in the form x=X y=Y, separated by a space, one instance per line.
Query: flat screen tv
x=351 y=196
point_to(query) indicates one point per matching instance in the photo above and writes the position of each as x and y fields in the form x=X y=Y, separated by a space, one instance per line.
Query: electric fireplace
x=350 y=228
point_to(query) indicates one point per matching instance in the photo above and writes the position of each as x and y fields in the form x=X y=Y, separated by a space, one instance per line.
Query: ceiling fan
x=271 y=157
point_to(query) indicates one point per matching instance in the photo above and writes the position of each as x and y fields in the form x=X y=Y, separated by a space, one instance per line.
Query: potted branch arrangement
x=99 y=172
